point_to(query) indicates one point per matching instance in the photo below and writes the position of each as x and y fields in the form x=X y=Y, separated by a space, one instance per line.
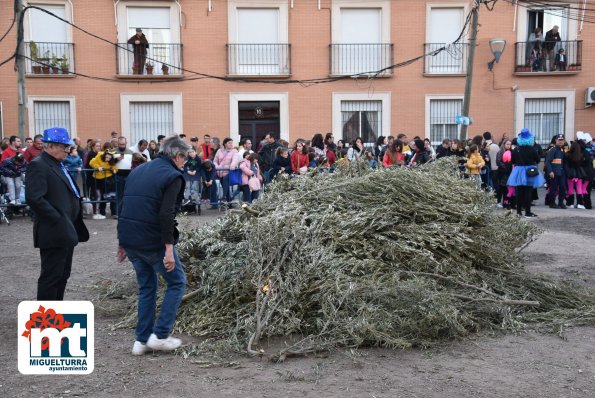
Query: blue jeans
x=147 y=264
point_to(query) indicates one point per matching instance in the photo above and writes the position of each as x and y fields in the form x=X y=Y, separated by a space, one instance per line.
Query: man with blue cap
x=56 y=201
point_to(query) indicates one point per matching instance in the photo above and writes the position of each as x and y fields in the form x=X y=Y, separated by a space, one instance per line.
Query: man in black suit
x=58 y=226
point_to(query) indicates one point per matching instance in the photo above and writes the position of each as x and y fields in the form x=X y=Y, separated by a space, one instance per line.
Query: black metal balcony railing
x=532 y=57
x=452 y=60
x=161 y=59
x=259 y=59
x=45 y=58
x=351 y=59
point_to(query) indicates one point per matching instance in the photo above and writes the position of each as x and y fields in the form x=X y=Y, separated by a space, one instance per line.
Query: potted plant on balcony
x=150 y=67
x=45 y=62
x=64 y=64
x=34 y=52
x=165 y=69
x=55 y=68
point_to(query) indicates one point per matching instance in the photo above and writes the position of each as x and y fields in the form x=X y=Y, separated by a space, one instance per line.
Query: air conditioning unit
x=590 y=99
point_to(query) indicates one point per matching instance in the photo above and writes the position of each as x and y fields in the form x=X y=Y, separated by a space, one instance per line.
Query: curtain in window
x=361 y=119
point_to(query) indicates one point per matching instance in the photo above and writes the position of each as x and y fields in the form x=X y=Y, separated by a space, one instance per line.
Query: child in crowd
x=137 y=160
x=251 y=177
x=12 y=170
x=504 y=162
x=208 y=176
x=105 y=169
x=73 y=163
x=312 y=159
x=394 y=155
x=282 y=163
x=192 y=177
x=371 y=159
x=475 y=163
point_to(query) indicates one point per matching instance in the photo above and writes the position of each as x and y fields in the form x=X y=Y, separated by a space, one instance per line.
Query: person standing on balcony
x=535 y=53
x=552 y=37
x=139 y=44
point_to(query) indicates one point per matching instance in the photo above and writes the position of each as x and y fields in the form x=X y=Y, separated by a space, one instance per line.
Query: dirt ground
x=525 y=365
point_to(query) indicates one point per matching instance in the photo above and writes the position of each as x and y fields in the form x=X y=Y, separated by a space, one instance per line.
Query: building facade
x=243 y=68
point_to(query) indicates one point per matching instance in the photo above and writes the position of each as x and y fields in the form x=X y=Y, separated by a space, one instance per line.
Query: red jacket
x=31 y=153
x=298 y=160
x=8 y=153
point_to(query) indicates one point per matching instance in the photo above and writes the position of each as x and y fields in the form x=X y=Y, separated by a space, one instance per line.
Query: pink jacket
x=226 y=160
x=247 y=172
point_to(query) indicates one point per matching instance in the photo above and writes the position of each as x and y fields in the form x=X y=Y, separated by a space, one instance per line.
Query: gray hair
x=174 y=145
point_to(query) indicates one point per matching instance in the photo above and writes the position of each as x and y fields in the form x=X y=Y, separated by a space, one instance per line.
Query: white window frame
x=236 y=98
x=68 y=14
x=127 y=98
x=47 y=98
x=122 y=18
x=337 y=5
x=232 y=12
x=569 y=116
x=429 y=98
x=385 y=97
x=429 y=6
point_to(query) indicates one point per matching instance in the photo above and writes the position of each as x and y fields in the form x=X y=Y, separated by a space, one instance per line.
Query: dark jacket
x=525 y=156
x=59 y=217
x=267 y=155
x=10 y=168
x=443 y=152
x=139 y=49
x=554 y=161
x=139 y=225
x=550 y=39
x=192 y=165
x=281 y=163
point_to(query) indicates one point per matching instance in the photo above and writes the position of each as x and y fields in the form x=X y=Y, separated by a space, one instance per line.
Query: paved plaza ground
x=529 y=364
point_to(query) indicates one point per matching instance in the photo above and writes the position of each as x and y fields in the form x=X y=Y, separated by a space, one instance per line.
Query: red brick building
x=270 y=42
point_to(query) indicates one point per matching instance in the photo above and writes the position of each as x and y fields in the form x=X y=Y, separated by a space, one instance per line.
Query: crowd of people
x=221 y=172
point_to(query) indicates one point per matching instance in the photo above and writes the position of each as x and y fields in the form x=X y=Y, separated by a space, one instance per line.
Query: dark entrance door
x=257 y=119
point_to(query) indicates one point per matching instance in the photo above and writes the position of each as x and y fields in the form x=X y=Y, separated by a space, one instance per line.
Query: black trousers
x=524 y=198
x=56 y=264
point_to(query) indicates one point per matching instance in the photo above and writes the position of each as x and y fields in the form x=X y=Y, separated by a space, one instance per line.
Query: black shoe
x=530 y=215
x=562 y=206
x=553 y=206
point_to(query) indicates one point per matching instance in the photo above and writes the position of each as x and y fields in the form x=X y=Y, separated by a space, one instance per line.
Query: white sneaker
x=499 y=205
x=18 y=202
x=167 y=344
x=580 y=207
x=139 y=348
x=98 y=217
x=13 y=202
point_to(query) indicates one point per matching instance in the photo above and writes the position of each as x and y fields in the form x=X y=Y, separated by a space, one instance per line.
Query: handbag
x=235 y=177
x=254 y=184
x=532 y=171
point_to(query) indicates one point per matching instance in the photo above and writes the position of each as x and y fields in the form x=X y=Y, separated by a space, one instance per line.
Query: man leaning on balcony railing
x=139 y=45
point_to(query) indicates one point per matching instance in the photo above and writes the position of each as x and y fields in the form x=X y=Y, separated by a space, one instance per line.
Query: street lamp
x=497 y=48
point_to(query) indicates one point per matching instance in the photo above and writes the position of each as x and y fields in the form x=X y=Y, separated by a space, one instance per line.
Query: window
x=361 y=119
x=160 y=24
x=545 y=118
x=360 y=37
x=48 y=114
x=258 y=38
x=1 y=121
x=444 y=25
x=49 y=40
x=145 y=116
x=442 y=119
x=150 y=119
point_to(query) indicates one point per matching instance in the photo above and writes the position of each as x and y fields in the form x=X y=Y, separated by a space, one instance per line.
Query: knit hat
x=525 y=138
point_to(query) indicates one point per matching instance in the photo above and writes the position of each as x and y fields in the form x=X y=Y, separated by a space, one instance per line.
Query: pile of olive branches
x=395 y=258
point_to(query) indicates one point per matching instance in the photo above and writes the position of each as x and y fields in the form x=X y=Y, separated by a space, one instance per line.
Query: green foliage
x=394 y=258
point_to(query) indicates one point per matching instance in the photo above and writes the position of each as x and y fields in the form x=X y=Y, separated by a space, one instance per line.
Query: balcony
x=47 y=59
x=263 y=60
x=165 y=58
x=353 y=59
x=538 y=63
x=451 y=61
